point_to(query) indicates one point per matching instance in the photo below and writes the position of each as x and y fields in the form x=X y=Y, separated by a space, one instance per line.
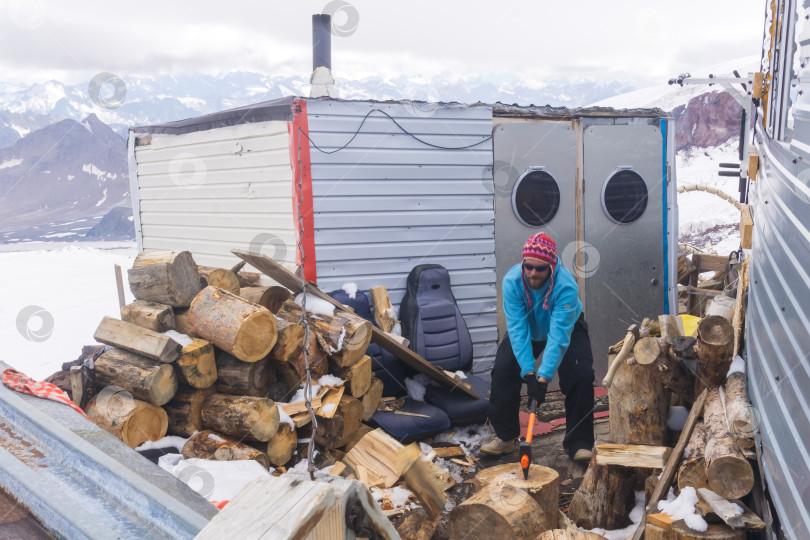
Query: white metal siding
x=388 y=202
x=212 y=191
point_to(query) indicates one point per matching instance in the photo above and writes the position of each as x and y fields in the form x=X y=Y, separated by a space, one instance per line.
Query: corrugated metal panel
x=388 y=202
x=212 y=191
x=778 y=332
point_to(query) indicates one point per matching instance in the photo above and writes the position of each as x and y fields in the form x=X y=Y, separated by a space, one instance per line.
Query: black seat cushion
x=407 y=428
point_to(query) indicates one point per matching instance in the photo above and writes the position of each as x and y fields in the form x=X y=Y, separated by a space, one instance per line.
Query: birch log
x=730 y=475
x=692 y=471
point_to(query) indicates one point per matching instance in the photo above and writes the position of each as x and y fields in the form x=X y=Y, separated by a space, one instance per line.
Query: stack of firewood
x=712 y=456
x=233 y=378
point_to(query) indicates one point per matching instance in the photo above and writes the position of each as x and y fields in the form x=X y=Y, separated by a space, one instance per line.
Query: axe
x=629 y=341
x=526 y=446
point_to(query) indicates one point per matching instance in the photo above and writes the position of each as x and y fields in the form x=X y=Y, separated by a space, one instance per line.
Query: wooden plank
x=374 y=459
x=722 y=507
x=119 y=283
x=662 y=520
x=746 y=227
x=674 y=460
x=286 y=278
x=76 y=385
x=632 y=455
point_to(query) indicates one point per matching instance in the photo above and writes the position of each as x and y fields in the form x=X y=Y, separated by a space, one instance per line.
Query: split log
x=358 y=435
x=270 y=297
x=346 y=335
x=210 y=445
x=318 y=360
x=138 y=340
x=185 y=410
x=730 y=475
x=638 y=408
x=240 y=378
x=334 y=433
x=715 y=345
x=167 y=277
x=371 y=399
x=241 y=416
x=197 y=365
x=604 y=498
x=233 y=324
x=281 y=446
x=418 y=475
x=374 y=458
x=632 y=455
x=131 y=420
x=692 y=471
x=147 y=380
x=223 y=278
x=731 y=516
x=330 y=402
x=357 y=377
x=671 y=325
x=507 y=506
x=738 y=410
x=667 y=368
x=382 y=305
x=290 y=341
x=149 y=315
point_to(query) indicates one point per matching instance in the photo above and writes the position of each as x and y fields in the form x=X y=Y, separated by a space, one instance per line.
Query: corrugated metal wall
x=388 y=202
x=212 y=191
x=778 y=334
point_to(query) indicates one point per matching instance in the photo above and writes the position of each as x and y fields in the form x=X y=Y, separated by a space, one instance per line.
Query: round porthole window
x=535 y=198
x=624 y=196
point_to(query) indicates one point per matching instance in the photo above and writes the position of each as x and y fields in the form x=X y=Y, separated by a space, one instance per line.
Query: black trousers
x=576 y=382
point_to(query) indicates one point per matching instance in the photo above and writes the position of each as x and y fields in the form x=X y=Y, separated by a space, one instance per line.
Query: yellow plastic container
x=690 y=324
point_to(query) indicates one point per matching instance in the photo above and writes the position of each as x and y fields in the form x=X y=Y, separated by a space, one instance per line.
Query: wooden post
x=715 y=344
x=77 y=385
x=119 y=283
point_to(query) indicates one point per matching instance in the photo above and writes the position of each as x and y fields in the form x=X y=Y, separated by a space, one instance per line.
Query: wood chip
x=404 y=413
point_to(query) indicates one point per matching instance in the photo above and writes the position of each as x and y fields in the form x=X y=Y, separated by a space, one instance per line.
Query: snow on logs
x=233 y=324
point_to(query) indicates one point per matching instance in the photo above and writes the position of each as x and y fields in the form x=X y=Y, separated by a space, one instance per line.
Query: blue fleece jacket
x=554 y=325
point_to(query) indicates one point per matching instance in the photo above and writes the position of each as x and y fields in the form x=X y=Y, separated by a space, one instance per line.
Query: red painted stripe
x=302 y=172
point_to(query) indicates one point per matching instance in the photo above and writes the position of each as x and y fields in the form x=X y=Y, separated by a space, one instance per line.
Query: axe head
x=525 y=458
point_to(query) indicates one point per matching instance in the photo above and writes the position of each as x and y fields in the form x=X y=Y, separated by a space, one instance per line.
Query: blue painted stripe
x=665 y=221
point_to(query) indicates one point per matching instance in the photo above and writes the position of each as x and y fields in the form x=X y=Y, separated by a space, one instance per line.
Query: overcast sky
x=637 y=41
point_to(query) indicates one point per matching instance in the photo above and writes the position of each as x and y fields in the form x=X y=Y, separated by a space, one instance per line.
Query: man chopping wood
x=543 y=315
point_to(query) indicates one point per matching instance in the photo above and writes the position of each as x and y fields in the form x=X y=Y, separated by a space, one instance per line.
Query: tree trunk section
x=149 y=315
x=197 y=365
x=210 y=445
x=638 y=407
x=738 y=410
x=357 y=377
x=334 y=433
x=222 y=278
x=715 y=346
x=270 y=297
x=147 y=380
x=692 y=471
x=666 y=367
x=507 y=506
x=131 y=420
x=346 y=335
x=290 y=341
x=185 y=411
x=281 y=446
x=371 y=399
x=241 y=416
x=730 y=475
x=138 y=340
x=233 y=324
x=604 y=497
x=240 y=378
x=166 y=277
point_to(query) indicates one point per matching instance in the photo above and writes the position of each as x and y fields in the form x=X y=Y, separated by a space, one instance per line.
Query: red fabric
x=19 y=382
x=220 y=504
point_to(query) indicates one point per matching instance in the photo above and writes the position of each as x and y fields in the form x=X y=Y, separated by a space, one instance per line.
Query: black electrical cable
x=405 y=131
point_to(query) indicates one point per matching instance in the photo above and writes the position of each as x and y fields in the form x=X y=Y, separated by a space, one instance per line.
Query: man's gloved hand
x=537 y=389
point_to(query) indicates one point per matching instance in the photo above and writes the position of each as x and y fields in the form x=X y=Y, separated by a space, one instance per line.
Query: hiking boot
x=497 y=446
x=583 y=454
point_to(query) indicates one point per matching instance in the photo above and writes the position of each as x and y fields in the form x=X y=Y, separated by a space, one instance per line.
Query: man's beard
x=537 y=282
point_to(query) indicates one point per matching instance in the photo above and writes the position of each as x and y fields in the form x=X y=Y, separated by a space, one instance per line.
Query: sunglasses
x=541 y=268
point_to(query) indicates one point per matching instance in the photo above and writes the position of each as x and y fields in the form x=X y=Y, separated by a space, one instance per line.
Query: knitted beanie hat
x=540 y=246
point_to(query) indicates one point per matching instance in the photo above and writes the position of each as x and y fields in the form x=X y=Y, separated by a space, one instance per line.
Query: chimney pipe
x=321 y=41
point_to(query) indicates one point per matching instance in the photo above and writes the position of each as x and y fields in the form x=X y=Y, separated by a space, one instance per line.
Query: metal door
x=528 y=156
x=624 y=231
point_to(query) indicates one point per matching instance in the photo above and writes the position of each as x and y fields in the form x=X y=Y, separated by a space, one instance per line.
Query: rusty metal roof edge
x=109 y=478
